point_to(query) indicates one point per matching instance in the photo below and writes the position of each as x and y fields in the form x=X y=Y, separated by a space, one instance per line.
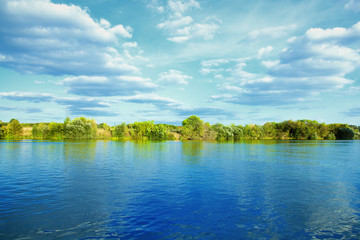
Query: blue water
x=180 y=190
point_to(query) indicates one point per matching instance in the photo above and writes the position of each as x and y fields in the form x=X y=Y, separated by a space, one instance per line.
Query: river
x=179 y=190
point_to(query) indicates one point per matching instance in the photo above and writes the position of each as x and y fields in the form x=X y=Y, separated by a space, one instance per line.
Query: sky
x=225 y=61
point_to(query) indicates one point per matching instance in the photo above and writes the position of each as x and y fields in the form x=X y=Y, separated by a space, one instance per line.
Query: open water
x=180 y=190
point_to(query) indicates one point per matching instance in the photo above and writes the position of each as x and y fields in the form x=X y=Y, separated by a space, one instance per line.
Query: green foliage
x=224 y=133
x=158 y=132
x=56 y=131
x=119 y=131
x=344 y=133
x=149 y=130
x=14 y=129
x=209 y=132
x=330 y=136
x=2 y=129
x=40 y=130
x=192 y=128
x=79 y=128
x=270 y=130
x=104 y=126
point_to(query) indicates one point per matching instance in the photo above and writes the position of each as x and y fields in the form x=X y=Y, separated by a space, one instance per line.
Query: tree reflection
x=192 y=152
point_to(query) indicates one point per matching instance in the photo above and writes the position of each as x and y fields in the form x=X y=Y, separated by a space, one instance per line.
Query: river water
x=179 y=190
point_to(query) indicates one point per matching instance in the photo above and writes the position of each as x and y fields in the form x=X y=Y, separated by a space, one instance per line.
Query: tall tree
x=14 y=129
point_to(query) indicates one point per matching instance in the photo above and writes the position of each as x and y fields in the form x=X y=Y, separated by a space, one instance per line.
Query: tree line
x=192 y=128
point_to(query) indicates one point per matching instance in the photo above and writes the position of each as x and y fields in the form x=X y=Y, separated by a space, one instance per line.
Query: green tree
x=56 y=130
x=119 y=131
x=80 y=128
x=2 y=129
x=14 y=129
x=269 y=130
x=224 y=133
x=344 y=133
x=40 y=130
x=104 y=126
x=192 y=128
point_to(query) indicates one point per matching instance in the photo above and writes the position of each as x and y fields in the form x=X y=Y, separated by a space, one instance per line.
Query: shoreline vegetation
x=193 y=128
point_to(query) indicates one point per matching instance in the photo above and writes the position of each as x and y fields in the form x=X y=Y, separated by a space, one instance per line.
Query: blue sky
x=226 y=61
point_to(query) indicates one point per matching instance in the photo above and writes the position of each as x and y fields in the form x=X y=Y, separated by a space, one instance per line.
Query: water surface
x=180 y=190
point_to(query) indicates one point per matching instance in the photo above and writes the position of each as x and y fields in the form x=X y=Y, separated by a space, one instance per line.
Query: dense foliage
x=193 y=128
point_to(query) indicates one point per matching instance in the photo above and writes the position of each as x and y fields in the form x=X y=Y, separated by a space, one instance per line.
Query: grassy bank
x=192 y=128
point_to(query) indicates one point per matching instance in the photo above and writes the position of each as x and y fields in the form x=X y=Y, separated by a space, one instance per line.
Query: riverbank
x=192 y=128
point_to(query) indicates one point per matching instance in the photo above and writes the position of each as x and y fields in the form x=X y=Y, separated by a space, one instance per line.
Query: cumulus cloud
x=74 y=105
x=39 y=36
x=168 y=104
x=315 y=62
x=211 y=66
x=27 y=96
x=181 y=28
x=130 y=45
x=265 y=51
x=173 y=77
x=323 y=56
x=353 y=5
x=97 y=86
x=182 y=6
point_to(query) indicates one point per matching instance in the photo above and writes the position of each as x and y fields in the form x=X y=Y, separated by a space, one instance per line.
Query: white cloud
x=320 y=54
x=182 y=6
x=160 y=102
x=318 y=61
x=74 y=105
x=211 y=66
x=174 y=26
x=181 y=28
x=48 y=38
x=97 y=86
x=271 y=32
x=337 y=34
x=28 y=96
x=154 y=4
x=130 y=45
x=178 y=39
x=353 y=5
x=42 y=37
x=270 y=64
x=204 y=30
x=213 y=62
x=265 y=51
x=168 y=104
x=173 y=77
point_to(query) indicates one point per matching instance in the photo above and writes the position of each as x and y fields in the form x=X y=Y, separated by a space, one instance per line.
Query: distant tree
x=269 y=130
x=14 y=129
x=344 y=133
x=80 y=128
x=40 y=130
x=224 y=133
x=159 y=132
x=238 y=132
x=192 y=128
x=330 y=136
x=119 y=131
x=209 y=132
x=2 y=129
x=104 y=126
x=56 y=130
